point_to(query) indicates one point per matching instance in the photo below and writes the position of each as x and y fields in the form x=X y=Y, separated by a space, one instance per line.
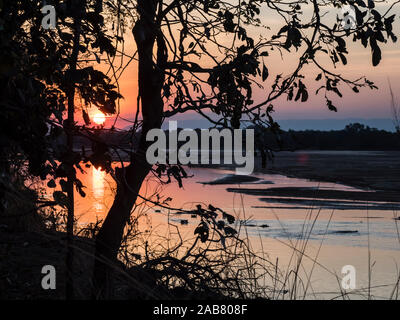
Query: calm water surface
x=376 y=239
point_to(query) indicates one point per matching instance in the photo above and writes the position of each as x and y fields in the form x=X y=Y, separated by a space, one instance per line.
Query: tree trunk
x=71 y=173
x=130 y=180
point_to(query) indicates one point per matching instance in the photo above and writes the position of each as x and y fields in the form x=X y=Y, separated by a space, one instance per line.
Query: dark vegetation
x=355 y=136
x=49 y=77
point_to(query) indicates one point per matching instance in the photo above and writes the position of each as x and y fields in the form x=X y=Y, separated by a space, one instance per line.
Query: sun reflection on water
x=98 y=188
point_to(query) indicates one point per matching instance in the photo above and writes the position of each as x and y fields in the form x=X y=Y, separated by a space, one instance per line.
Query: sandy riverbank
x=378 y=170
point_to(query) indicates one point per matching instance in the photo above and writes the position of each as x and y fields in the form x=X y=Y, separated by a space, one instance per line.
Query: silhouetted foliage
x=354 y=136
x=206 y=56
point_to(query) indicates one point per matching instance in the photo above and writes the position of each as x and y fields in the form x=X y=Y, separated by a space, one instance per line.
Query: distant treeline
x=354 y=136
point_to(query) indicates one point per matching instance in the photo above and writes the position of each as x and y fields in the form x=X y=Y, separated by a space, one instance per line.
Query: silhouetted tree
x=42 y=73
x=205 y=56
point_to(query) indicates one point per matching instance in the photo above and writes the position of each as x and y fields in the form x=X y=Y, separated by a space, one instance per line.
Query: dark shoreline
x=377 y=170
x=367 y=170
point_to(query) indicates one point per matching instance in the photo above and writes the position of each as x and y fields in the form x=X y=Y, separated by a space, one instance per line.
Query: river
x=365 y=238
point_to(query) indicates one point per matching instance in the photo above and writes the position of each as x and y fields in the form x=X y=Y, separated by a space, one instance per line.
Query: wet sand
x=375 y=172
x=314 y=193
x=378 y=170
x=232 y=179
x=305 y=204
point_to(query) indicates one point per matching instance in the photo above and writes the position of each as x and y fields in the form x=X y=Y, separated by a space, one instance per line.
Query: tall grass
x=173 y=261
x=395 y=109
x=168 y=261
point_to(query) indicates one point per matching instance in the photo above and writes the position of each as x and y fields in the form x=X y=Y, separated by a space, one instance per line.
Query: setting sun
x=99 y=118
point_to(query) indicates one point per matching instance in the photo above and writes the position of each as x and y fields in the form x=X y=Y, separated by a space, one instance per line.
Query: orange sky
x=366 y=104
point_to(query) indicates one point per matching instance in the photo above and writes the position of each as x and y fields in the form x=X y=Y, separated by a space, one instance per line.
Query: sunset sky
x=365 y=105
